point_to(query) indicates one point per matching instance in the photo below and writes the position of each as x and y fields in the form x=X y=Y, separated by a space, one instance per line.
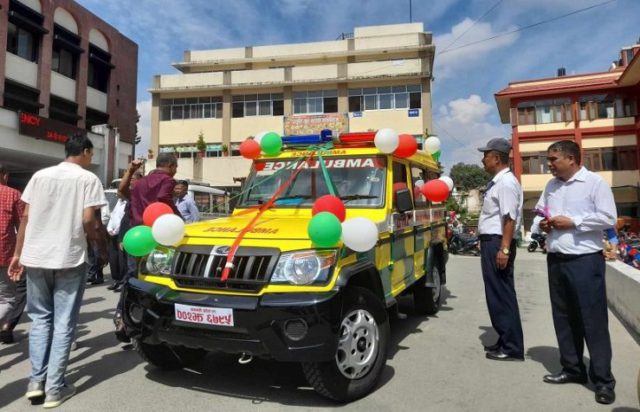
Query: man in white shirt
x=580 y=207
x=499 y=221
x=59 y=216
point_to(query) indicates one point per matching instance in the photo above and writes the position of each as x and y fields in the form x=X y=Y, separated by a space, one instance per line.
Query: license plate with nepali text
x=204 y=315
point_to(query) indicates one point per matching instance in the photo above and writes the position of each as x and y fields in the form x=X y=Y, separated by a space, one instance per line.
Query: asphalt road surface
x=435 y=363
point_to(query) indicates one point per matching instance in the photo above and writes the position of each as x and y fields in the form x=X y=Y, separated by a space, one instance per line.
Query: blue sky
x=464 y=110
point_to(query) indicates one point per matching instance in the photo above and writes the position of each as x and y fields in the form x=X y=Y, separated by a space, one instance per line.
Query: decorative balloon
x=139 y=241
x=431 y=144
x=436 y=156
x=271 y=143
x=448 y=181
x=331 y=204
x=324 y=229
x=154 y=211
x=386 y=140
x=435 y=190
x=359 y=234
x=250 y=149
x=168 y=230
x=407 y=146
x=258 y=137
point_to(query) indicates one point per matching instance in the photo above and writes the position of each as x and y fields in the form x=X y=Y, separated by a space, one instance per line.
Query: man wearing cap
x=499 y=221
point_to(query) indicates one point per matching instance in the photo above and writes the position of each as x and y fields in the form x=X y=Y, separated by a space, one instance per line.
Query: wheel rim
x=435 y=290
x=358 y=344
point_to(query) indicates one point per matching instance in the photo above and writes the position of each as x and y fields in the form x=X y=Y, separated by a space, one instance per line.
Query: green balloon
x=139 y=241
x=324 y=229
x=436 y=156
x=271 y=143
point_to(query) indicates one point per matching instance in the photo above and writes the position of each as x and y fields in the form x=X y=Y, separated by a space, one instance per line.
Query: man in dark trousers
x=580 y=207
x=499 y=221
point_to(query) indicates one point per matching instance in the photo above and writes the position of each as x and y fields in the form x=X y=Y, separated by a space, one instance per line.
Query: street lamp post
x=104 y=130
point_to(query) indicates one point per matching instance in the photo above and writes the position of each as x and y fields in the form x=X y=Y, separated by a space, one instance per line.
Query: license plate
x=204 y=315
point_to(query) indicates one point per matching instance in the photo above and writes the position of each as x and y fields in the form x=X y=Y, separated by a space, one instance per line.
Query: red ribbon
x=234 y=248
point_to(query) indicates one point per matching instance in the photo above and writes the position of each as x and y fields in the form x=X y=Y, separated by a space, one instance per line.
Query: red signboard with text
x=45 y=129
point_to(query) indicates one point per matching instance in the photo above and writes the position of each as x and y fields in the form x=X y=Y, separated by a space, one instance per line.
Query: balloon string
x=236 y=243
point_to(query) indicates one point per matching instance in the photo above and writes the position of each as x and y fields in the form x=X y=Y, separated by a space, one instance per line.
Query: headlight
x=160 y=260
x=304 y=267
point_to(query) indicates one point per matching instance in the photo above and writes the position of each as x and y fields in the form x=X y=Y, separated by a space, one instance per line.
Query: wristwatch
x=506 y=250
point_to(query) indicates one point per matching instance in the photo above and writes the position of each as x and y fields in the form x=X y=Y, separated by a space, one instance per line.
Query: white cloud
x=144 y=127
x=462 y=126
x=450 y=57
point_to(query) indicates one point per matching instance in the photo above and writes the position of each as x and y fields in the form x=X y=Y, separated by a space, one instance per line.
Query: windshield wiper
x=347 y=198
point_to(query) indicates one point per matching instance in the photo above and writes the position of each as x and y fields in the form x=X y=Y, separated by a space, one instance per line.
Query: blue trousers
x=579 y=307
x=501 y=297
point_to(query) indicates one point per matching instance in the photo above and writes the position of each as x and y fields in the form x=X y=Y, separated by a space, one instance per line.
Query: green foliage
x=452 y=204
x=469 y=177
x=200 y=143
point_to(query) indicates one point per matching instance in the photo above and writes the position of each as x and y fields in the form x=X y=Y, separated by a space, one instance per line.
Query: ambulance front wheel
x=361 y=352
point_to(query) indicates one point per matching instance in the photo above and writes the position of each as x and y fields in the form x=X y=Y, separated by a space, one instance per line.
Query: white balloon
x=168 y=229
x=386 y=140
x=419 y=183
x=448 y=181
x=431 y=145
x=258 y=137
x=359 y=234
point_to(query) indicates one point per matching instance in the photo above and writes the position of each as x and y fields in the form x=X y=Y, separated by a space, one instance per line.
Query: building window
x=99 y=68
x=311 y=102
x=385 y=98
x=606 y=107
x=545 y=111
x=94 y=118
x=264 y=104
x=534 y=163
x=66 y=49
x=191 y=108
x=22 y=42
x=63 y=110
x=21 y=98
x=611 y=158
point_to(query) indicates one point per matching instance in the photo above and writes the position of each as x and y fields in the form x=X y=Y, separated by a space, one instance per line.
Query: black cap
x=498 y=144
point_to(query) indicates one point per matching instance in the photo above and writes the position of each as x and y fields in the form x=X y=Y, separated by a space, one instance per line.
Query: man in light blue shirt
x=185 y=204
x=579 y=206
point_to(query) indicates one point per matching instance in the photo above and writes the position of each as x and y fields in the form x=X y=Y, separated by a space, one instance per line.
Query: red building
x=599 y=111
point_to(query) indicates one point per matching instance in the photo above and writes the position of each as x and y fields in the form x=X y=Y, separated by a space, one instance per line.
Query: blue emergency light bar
x=308 y=139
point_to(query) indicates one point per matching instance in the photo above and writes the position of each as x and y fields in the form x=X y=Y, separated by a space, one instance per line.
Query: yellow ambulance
x=282 y=297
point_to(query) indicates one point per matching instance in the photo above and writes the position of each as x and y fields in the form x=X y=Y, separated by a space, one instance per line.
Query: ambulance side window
x=399 y=179
x=419 y=200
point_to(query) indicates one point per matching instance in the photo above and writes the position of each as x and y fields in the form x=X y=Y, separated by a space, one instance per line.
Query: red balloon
x=331 y=204
x=250 y=149
x=154 y=211
x=407 y=146
x=435 y=190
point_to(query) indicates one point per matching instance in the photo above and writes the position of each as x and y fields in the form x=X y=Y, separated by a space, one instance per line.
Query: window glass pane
x=370 y=102
x=250 y=108
x=399 y=89
x=355 y=92
x=204 y=99
x=299 y=95
x=237 y=98
x=386 y=101
x=264 y=96
x=314 y=105
x=192 y=100
x=196 y=111
x=402 y=100
x=178 y=101
x=609 y=161
x=264 y=108
x=382 y=90
x=330 y=93
x=415 y=102
x=299 y=105
x=237 y=109
x=370 y=90
x=278 y=108
x=330 y=105
x=315 y=94
x=165 y=113
x=176 y=112
x=218 y=110
x=355 y=103
x=277 y=96
x=414 y=88
x=209 y=110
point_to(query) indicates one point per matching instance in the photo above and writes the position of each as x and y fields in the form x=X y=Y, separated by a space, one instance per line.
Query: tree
x=468 y=177
x=200 y=143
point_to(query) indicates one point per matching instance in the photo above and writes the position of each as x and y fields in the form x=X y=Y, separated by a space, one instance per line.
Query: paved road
x=435 y=364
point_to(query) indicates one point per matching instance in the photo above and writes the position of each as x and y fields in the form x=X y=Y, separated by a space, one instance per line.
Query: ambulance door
x=403 y=237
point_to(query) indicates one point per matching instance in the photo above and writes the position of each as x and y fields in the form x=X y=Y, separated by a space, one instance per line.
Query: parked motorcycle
x=538 y=240
x=464 y=243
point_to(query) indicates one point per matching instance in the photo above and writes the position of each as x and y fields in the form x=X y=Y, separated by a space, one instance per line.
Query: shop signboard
x=46 y=129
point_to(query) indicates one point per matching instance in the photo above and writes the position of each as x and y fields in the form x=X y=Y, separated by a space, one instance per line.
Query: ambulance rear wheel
x=168 y=357
x=427 y=299
x=361 y=352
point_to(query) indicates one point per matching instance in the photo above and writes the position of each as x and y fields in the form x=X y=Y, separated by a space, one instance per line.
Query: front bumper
x=259 y=322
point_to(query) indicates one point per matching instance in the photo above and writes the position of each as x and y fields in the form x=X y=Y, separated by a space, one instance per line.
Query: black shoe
x=605 y=395
x=6 y=336
x=564 y=377
x=112 y=286
x=492 y=348
x=501 y=356
x=117 y=289
x=91 y=279
x=97 y=281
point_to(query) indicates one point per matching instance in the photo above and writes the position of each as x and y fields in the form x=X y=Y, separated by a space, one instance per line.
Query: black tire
x=168 y=357
x=364 y=327
x=532 y=247
x=428 y=299
x=453 y=248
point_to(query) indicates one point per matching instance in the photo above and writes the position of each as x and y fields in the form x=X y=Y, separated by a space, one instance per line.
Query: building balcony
x=62 y=86
x=96 y=99
x=21 y=70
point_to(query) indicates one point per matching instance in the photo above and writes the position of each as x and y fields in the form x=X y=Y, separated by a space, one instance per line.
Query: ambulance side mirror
x=404 y=202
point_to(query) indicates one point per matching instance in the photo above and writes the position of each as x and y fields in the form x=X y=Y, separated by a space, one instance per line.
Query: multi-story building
x=377 y=77
x=63 y=70
x=599 y=111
